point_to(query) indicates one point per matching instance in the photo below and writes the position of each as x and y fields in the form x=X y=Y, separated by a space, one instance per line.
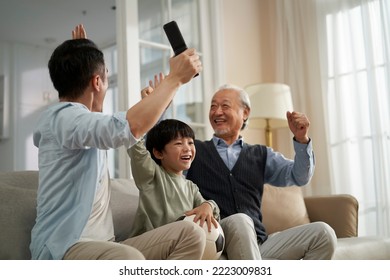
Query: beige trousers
x=314 y=241
x=176 y=241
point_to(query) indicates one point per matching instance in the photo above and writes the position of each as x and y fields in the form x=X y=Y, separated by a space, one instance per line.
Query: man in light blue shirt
x=74 y=219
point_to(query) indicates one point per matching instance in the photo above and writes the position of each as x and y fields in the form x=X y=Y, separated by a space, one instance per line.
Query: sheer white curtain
x=355 y=48
x=294 y=47
x=335 y=56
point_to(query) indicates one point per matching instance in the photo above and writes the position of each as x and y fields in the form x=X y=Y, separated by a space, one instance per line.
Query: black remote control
x=175 y=38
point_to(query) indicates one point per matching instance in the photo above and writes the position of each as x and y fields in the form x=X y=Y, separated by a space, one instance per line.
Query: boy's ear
x=157 y=154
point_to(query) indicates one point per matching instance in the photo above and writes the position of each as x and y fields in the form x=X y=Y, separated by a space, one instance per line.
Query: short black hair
x=73 y=64
x=164 y=132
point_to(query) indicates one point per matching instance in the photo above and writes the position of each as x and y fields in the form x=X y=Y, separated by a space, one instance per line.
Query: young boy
x=165 y=194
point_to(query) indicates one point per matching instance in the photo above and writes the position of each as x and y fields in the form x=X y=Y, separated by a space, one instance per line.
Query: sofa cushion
x=18 y=191
x=124 y=203
x=362 y=248
x=283 y=208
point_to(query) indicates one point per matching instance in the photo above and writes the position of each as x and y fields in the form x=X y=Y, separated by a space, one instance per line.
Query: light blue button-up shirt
x=72 y=143
x=279 y=171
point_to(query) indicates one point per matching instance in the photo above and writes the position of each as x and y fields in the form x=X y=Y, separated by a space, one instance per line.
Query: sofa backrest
x=282 y=208
x=18 y=192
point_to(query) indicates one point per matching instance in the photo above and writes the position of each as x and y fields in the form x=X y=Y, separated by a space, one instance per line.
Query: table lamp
x=269 y=104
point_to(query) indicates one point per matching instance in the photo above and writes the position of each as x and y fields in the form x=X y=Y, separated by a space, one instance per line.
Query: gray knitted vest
x=237 y=191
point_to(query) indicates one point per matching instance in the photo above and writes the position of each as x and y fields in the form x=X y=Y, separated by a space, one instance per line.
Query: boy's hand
x=152 y=85
x=203 y=212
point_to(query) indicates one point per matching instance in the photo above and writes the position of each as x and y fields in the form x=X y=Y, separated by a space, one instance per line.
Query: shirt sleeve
x=78 y=128
x=143 y=167
x=280 y=171
x=215 y=207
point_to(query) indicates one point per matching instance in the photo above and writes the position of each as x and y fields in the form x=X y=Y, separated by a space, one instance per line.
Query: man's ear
x=95 y=82
x=246 y=112
x=157 y=154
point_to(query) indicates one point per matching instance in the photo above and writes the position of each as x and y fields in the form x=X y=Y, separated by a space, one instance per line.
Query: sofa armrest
x=339 y=211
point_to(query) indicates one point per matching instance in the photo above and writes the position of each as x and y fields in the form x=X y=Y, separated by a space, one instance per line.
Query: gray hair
x=244 y=97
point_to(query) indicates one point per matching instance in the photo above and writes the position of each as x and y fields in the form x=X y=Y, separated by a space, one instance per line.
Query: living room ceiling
x=47 y=23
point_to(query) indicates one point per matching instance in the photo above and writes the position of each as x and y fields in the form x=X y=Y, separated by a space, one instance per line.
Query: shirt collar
x=219 y=141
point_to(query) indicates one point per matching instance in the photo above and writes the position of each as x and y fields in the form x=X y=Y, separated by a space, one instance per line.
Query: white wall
x=247 y=57
x=242 y=46
x=30 y=90
x=250 y=57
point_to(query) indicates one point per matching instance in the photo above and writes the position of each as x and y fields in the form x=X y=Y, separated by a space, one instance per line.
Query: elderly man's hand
x=299 y=126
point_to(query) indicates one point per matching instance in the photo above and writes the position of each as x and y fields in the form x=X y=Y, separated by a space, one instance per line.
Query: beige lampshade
x=269 y=101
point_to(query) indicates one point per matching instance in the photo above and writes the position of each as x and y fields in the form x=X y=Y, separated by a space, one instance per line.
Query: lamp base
x=268 y=134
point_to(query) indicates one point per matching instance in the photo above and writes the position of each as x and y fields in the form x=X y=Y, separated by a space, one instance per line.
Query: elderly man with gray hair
x=233 y=173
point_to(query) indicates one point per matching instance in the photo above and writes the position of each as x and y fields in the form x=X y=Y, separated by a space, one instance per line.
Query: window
x=110 y=105
x=154 y=53
x=358 y=107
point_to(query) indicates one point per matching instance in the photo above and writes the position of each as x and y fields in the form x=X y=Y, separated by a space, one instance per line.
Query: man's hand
x=146 y=113
x=79 y=32
x=185 y=66
x=299 y=126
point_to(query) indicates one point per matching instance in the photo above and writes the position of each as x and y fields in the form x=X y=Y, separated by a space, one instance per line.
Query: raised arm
x=143 y=115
